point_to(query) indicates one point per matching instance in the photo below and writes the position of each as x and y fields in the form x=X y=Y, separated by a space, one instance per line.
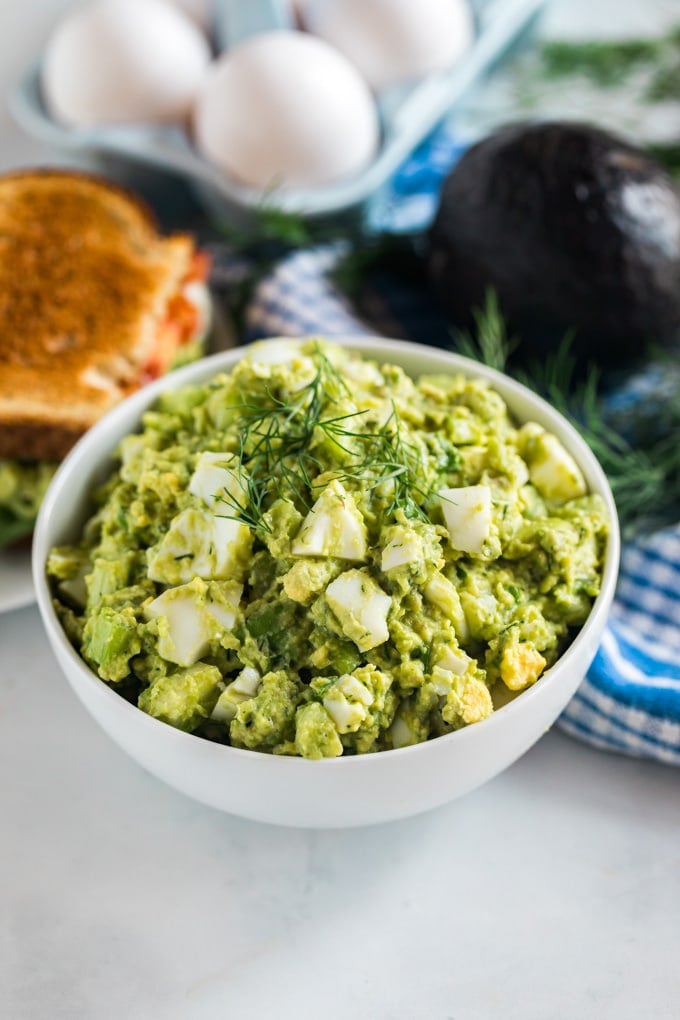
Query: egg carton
x=408 y=114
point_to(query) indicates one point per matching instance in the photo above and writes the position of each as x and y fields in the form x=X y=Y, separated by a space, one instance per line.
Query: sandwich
x=94 y=303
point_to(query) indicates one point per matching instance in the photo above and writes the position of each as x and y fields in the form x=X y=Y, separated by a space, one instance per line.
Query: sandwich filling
x=178 y=337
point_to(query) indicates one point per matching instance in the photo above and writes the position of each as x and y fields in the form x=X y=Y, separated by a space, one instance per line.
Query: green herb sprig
x=605 y=62
x=276 y=451
x=611 y=62
x=643 y=466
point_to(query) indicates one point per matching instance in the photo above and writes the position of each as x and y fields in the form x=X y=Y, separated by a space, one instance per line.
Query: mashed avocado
x=316 y=555
x=22 y=488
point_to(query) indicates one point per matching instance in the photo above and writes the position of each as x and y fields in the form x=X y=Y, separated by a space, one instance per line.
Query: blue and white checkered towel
x=630 y=700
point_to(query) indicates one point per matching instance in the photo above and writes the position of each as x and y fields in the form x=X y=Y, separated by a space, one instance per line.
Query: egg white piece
x=279 y=351
x=220 y=482
x=284 y=109
x=333 y=527
x=190 y=622
x=405 y=547
x=245 y=686
x=347 y=703
x=199 y=544
x=553 y=470
x=392 y=41
x=361 y=607
x=123 y=61
x=468 y=514
x=188 y=631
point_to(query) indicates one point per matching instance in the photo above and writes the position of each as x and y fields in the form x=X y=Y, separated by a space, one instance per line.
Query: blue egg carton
x=408 y=114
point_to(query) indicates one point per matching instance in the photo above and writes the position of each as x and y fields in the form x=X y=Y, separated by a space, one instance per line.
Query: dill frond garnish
x=605 y=62
x=390 y=461
x=489 y=343
x=642 y=464
x=278 y=438
x=641 y=477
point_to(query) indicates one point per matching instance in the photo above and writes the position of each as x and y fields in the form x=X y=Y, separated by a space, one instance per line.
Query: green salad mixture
x=22 y=488
x=316 y=555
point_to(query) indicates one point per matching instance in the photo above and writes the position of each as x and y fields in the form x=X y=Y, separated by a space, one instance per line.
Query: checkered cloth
x=630 y=700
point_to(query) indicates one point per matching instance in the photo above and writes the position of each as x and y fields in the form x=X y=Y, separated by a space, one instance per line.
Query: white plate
x=16 y=582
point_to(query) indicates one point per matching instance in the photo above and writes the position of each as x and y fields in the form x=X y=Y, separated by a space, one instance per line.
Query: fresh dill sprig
x=391 y=460
x=650 y=64
x=276 y=450
x=274 y=442
x=637 y=475
x=605 y=62
x=665 y=83
x=489 y=343
x=643 y=467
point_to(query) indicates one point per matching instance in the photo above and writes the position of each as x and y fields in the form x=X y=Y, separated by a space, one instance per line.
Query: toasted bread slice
x=87 y=286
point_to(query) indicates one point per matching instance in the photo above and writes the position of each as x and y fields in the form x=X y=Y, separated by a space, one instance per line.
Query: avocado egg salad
x=316 y=555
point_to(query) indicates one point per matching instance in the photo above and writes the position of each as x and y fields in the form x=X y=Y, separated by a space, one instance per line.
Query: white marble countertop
x=552 y=892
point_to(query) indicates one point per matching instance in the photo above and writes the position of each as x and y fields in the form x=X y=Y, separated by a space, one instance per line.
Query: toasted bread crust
x=85 y=279
x=132 y=208
x=36 y=443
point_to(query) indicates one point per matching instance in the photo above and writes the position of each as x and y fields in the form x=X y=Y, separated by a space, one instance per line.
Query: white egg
x=116 y=61
x=283 y=109
x=200 y=11
x=393 y=40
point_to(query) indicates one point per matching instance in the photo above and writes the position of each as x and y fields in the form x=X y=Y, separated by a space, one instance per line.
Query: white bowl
x=293 y=791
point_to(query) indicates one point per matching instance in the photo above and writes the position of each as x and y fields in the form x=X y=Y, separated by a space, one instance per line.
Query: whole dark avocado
x=574 y=229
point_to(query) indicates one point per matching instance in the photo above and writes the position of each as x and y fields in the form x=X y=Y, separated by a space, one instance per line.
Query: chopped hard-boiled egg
x=453 y=659
x=333 y=527
x=442 y=681
x=72 y=571
x=404 y=547
x=451 y=663
x=199 y=544
x=361 y=607
x=347 y=703
x=219 y=481
x=245 y=686
x=274 y=352
x=468 y=704
x=401 y=733
x=552 y=469
x=521 y=665
x=188 y=619
x=247 y=682
x=443 y=594
x=225 y=612
x=467 y=513
x=268 y=356
x=363 y=372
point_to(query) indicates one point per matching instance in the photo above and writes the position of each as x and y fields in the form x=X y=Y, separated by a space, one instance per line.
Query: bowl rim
x=370 y=347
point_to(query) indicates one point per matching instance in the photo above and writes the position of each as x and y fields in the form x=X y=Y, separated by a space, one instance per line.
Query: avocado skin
x=575 y=230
